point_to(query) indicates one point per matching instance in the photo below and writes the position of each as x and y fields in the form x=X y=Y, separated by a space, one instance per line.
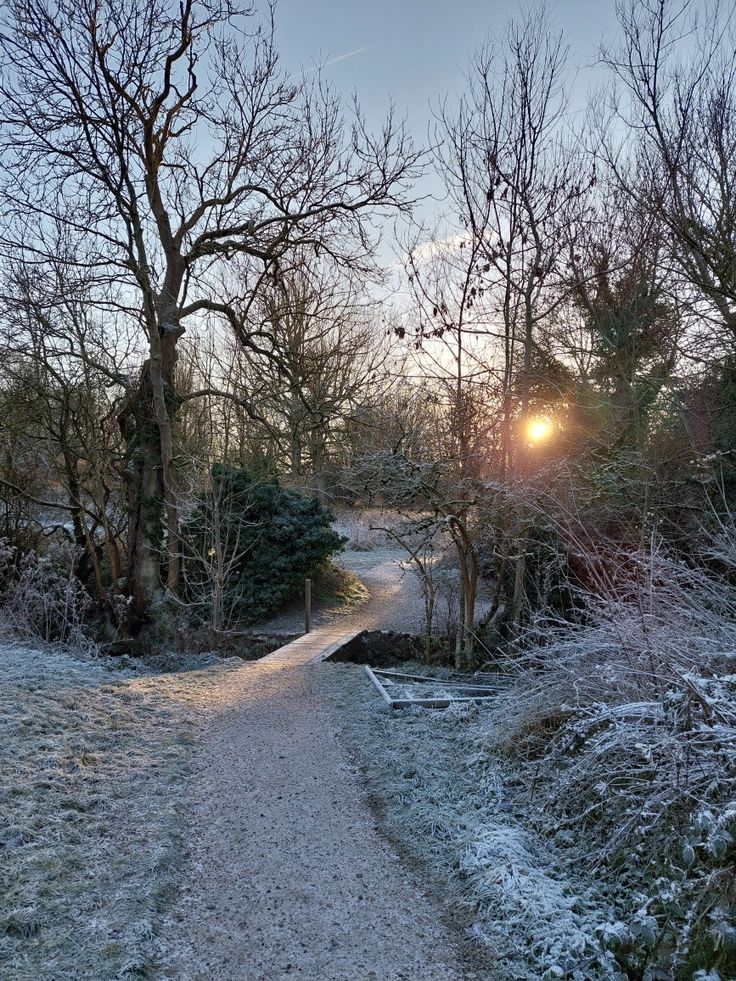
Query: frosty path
x=288 y=875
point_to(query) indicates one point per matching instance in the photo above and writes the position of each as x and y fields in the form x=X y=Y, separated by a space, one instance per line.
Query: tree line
x=191 y=276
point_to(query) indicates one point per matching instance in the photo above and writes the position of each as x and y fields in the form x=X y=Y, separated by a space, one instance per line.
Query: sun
x=539 y=430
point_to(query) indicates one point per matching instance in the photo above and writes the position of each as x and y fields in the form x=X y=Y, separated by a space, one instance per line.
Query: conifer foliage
x=256 y=539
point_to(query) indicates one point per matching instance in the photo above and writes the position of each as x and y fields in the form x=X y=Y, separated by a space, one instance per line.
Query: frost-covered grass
x=454 y=807
x=41 y=597
x=338 y=589
x=92 y=760
x=624 y=729
x=585 y=821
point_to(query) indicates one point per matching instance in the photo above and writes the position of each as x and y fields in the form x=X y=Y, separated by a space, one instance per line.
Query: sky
x=414 y=52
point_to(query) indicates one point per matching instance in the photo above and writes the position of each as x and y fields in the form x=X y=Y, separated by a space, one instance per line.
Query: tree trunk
x=429 y=600
x=144 y=496
x=460 y=635
x=471 y=594
x=163 y=359
x=519 y=596
x=153 y=522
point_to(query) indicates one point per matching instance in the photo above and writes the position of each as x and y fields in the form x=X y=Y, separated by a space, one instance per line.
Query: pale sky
x=415 y=51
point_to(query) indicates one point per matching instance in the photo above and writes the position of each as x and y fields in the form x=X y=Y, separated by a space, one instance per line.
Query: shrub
x=41 y=596
x=624 y=725
x=249 y=544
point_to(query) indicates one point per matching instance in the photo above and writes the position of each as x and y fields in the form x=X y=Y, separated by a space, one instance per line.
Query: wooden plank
x=331 y=648
x=436 y=702
x=436 y=681
x=397 y=703
x=314 y=646
x=379 y=686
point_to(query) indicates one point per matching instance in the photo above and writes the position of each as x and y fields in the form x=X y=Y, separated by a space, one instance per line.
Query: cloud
x=344 y=57
x=437 y=247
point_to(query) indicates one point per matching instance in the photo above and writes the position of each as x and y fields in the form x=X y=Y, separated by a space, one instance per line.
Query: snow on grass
x=452 y=806
x=92 y=760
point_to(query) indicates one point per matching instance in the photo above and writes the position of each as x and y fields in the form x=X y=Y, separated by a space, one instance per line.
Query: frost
x=41 y=597
x=626 y=725
x=449 y=804
x=587 y=817
x=92 y=760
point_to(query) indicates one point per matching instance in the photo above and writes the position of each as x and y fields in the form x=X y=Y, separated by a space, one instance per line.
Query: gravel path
x=288 y=874
x=395 y=598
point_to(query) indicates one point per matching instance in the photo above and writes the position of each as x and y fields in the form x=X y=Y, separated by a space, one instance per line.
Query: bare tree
x=69 y=385
x=163 y=139
x=448 y=344
x=676 y=98
x=325 y=356
x=432 y=503
x=224 y=537
x=514 y=179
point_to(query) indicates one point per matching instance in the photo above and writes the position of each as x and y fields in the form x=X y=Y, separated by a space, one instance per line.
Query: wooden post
x=307 y=605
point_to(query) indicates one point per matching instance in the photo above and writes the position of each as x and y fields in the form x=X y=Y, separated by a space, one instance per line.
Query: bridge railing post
x=307 y=605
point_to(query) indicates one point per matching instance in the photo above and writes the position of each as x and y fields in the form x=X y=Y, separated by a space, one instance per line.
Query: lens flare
x=539 y=429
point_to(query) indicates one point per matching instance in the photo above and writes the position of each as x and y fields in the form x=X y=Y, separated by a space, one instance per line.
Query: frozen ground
x=92 y=763
x=243 y=821
x=306 y=830
x=394 y=601
x=448 y=803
